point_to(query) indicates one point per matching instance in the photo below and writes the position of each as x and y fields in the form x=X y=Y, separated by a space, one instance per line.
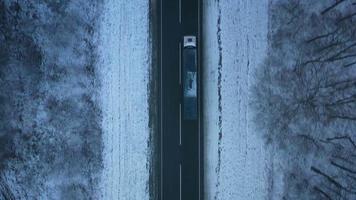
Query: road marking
x=180 y=124
x=180 y=11
x=180 y=181
x=180 y=63
x=161 y=45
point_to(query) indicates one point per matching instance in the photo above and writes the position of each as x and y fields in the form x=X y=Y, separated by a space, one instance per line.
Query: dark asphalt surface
x=181 y=173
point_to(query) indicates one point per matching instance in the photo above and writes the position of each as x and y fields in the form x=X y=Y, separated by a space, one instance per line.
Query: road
x=181 y=149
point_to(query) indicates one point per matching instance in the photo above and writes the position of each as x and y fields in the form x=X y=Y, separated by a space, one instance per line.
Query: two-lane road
x=181 y=149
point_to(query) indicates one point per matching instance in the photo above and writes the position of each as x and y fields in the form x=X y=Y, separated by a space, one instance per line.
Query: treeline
x=305 y=97
x=50 y=135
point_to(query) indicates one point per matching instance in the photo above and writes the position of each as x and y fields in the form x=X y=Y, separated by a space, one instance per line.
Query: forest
x=50 y=135
x=305 y=99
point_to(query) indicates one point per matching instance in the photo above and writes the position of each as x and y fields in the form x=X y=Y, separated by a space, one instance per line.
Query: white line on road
x=180 y=181
x=180 y=63
x=180 y=11
x=180 y=124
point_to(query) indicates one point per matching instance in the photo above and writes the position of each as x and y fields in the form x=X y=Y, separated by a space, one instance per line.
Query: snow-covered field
x=235 y=43
x=125 y=62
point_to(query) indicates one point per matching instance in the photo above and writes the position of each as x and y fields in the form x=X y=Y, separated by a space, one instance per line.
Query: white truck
x=190 y=79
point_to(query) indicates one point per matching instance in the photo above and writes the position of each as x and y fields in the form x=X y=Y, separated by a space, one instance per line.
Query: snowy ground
x=235 y=39
x=125 y=60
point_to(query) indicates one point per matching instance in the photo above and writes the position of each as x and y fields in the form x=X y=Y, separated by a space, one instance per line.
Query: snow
x=125 y=60
x=235 y=43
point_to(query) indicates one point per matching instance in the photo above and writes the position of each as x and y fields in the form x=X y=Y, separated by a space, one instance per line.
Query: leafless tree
x=305 y=96
x=49 y=134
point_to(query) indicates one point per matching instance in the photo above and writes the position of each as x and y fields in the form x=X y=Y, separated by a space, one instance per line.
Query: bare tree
x=305 y=97
x=50 y=136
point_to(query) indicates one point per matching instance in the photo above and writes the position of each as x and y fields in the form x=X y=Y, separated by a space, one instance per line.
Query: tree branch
x=336 y=191
x=321 y=36
x=336 y=84
x=331 y=7
x=342 y=57
x=322 y=192
x=327 y=47
x=351 y=177
x=341 y=52
x=350 y=64
x=345 y=137
x=347 y=100
x=346 y=17
x=342 y=167
x=329 y=178
x=344 y=159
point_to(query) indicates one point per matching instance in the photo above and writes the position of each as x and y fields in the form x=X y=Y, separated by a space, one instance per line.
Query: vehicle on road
x=190 y=79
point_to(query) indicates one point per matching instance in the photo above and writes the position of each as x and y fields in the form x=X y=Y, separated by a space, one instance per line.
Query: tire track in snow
x=220 y=67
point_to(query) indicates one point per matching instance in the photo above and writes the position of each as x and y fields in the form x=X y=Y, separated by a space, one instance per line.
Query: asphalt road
x=181 y=149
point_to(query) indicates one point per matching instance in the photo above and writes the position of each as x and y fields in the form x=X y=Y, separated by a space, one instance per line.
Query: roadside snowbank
x=125 y=61
x=235 y=42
